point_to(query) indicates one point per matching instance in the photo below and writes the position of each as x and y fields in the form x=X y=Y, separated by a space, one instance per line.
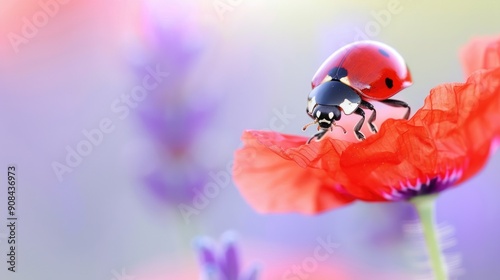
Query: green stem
x=425 y=206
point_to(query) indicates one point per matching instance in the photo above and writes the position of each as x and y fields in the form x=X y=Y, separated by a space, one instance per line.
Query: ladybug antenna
x=309 y=124
x=343 y=129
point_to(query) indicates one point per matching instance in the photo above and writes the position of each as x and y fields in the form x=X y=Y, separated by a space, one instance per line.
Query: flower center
x=437 y=184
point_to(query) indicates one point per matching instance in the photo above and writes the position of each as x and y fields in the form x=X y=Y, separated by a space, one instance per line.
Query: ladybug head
x=326 y=116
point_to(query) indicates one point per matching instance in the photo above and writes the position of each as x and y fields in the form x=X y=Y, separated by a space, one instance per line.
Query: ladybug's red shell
x=376 y=70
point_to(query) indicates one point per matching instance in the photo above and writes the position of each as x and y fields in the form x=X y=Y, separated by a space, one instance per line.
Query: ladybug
x=350 y=78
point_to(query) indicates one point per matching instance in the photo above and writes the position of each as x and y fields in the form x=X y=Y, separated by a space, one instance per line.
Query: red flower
x=446 y=142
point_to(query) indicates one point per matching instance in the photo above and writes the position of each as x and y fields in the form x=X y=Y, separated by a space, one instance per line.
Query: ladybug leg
x=373 y=116
x=358 y=126
x=398 y=103
x=318 y=135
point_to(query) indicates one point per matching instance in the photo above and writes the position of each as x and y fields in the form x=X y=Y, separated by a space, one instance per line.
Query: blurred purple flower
x=178 y=110
x=175 y=127
x=175 y=179
x=223 y=265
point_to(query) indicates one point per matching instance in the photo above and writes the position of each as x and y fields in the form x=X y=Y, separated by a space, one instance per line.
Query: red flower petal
x=274 y=173
x=449 y=139
x=481 y=53
x=470 y=125
x=397 y=156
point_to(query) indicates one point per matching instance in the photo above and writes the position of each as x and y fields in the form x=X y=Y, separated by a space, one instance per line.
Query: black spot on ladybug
x=384 y=53
x=337 y=73
x=388 y=82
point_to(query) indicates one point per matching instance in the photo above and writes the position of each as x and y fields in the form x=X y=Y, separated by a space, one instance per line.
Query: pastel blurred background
x=164 y=88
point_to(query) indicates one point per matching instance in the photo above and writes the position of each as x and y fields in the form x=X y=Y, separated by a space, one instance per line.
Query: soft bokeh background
x=116 y=213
